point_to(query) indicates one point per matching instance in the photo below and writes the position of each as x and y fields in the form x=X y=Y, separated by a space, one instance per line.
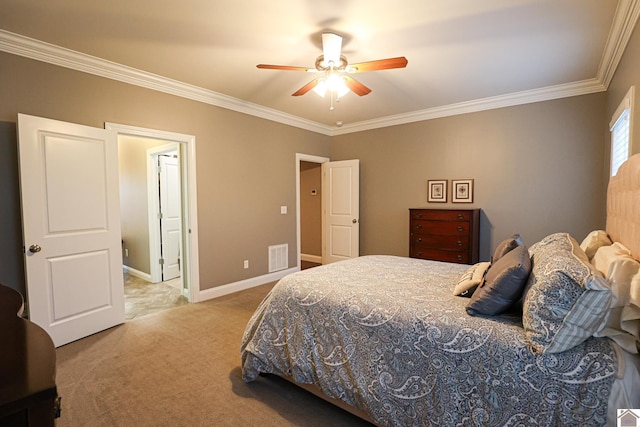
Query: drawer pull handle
x=419 y=239
x=459 y=257
x=460 y=216
x=419 y=226
x=419 y=215
x=459 y=243
x=419 y=253
x=460 y=228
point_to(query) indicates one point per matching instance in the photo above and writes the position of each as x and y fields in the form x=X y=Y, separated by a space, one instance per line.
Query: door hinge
x=159 y=215
x=161 y=261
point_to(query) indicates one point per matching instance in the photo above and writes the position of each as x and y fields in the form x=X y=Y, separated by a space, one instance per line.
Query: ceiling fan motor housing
x=322 y=66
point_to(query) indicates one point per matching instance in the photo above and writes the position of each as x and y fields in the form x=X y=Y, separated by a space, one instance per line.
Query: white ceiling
x=462 y=53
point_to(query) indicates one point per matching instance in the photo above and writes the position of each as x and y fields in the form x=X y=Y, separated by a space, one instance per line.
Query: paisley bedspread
x=386 y=335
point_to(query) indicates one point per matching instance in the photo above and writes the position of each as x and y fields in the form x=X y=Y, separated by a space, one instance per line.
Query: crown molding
x=41 y=51
x=625 y=18
x=517 y=98
x=624 y=21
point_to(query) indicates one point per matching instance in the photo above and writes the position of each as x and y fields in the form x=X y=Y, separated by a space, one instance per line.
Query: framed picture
x=462 y=190
x=437 y=191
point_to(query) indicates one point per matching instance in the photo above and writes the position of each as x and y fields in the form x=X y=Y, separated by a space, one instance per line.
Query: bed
x=545 y=338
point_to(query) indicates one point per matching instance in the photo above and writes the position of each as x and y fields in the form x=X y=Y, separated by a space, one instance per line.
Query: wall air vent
x=278 y=257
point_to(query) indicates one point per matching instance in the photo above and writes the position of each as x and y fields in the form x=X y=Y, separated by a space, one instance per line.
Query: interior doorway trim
x=191 y=271
x=303 y=158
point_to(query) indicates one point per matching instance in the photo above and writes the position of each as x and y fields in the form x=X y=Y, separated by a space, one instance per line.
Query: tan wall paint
x=537 y=170
x=627 y=74
x=245 y=165
x=310 y=209
x=134 y=217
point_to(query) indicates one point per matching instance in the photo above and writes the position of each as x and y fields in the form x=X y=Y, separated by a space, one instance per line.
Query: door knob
x=354 y=221
x=34 y=248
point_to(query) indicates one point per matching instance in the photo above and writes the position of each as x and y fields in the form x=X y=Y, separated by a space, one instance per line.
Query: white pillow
x=605 y=255
x=623 y=321
x=593 y=241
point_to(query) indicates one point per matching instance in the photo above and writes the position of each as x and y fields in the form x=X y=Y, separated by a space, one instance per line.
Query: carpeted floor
x=181 y=367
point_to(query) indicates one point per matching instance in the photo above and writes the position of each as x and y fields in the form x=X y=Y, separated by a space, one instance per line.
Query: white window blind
x=620 y=142
x=621 y=132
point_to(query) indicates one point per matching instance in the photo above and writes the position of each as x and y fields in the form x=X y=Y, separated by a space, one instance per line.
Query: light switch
x=283 y=210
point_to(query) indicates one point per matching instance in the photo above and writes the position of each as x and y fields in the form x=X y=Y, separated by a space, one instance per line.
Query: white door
x=170 y=206
x=341 y=205
x=71 y=227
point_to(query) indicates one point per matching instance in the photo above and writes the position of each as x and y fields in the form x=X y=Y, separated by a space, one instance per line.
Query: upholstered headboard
x=623 y=206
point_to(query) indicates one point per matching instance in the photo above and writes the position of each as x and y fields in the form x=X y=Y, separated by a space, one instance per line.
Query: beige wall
x=627 y=74
x=245 y=165
x=310 y=209
x=537 y=169
x=134 y=217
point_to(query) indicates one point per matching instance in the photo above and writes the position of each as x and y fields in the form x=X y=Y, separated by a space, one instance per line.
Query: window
x=620 y=127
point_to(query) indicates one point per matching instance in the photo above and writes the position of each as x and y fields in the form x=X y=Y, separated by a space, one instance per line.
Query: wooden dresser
x=450 y=235
x=28 y=395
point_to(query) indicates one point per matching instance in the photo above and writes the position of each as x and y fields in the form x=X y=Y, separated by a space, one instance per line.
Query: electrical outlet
x=283 y=210
x=126 y=252
x=246 y=264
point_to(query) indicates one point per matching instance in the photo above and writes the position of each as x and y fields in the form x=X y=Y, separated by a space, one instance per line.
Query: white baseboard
x=230 y=288
x=136 y=273
x=311 y=258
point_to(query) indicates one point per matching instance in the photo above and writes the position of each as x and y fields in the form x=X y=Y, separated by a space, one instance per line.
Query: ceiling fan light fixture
x=332 y=83
x=336 y=70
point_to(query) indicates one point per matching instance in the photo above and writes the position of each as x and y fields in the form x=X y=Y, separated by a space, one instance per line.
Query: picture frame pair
x=461 y=190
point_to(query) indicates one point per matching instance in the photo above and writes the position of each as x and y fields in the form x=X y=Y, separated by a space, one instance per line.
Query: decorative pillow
x=506 y=246
x=503 y=284
x=566 y=299
x=593 y=241
x=470 y=280
x=605 y=255
x=623 y=321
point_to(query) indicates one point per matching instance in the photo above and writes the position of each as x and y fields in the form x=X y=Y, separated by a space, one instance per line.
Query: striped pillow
x=470 y=280
x=566 y=299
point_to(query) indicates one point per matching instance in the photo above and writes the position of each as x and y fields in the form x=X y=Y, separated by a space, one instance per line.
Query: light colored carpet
x=181 y=367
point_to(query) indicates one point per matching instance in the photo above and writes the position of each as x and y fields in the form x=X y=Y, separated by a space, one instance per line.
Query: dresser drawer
x=440 y=227
x=441 y=255
x=450 y=235
x=441 y=215
x=436 y=241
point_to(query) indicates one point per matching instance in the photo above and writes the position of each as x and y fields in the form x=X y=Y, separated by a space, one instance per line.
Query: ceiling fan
x=335 y=70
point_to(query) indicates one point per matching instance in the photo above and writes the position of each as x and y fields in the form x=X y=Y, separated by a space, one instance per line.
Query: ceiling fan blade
x=355 y=86
x=380 y=64
x=331 y=48
x=306 y=88
x=284 y=67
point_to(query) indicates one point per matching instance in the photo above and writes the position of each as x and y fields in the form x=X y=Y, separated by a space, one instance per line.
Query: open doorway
x=157 y=186
x=309 y=209
x=339 y=206
x=150 y=210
